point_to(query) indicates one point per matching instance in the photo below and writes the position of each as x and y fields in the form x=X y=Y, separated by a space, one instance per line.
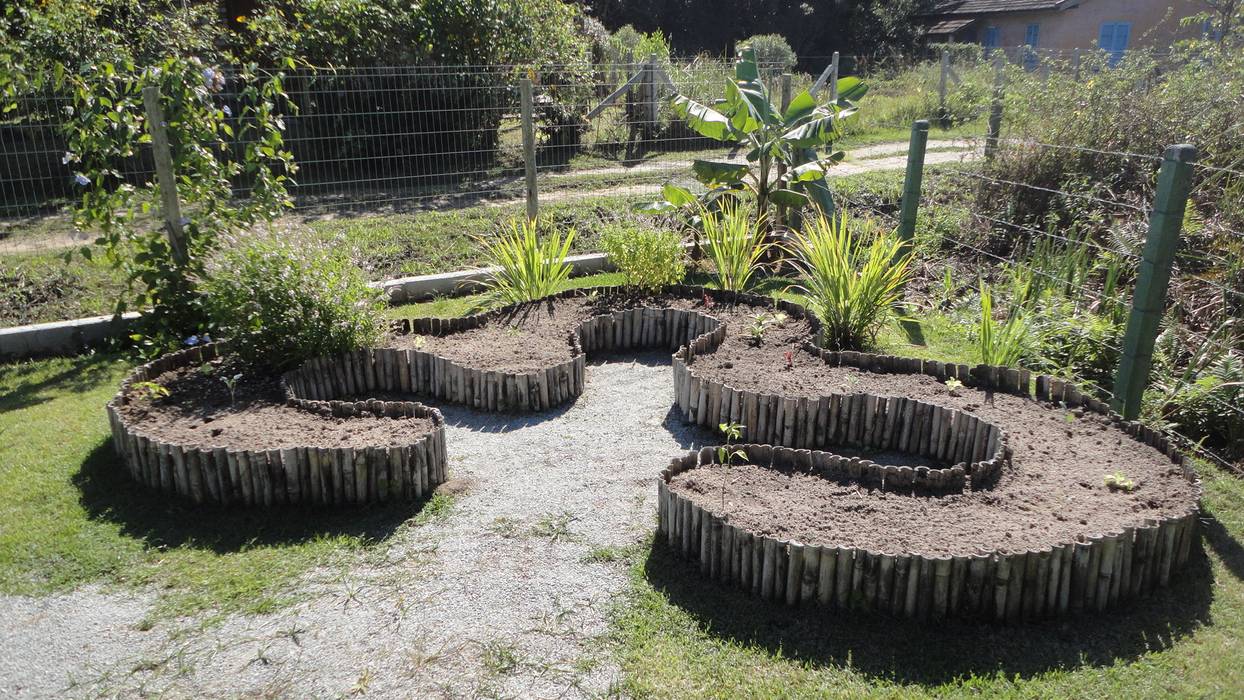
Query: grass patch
x=41 y=286
x=70 y=515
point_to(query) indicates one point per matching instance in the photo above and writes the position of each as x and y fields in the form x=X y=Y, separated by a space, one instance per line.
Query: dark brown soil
x=1053 y=492
x=199 y=411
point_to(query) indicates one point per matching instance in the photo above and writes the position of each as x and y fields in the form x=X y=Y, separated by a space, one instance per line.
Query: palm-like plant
x=1001 y=345
x=852 y=287
x=735 y=243
x=526 y=269
x=799 y=139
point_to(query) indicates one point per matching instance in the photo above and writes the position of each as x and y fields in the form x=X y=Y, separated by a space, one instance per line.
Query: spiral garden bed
x=868 y=481
x=257 y=446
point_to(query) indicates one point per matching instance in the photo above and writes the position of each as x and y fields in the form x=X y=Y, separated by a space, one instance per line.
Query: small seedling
x=726 y=453
x=756 y=329
x=420 y=341
x=954 y=385
x=513 y=331
x=151 y=390
x=1118 y=481
x=231 y=383
x=708 y=301
x=790 y=359
x=779 y=318
x=207 y=369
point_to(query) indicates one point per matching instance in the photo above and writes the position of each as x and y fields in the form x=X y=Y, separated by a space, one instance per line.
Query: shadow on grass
x=1224 y=545
x=108 y=494
x=907 y=651
x=34 y=385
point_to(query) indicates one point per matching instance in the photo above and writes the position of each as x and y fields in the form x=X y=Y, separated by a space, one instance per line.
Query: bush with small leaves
x=284 y=300
x=648 y=258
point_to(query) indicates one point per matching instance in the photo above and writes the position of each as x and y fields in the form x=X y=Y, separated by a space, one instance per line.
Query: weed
x=501 y=658
x=556 y=527
x=503 y=526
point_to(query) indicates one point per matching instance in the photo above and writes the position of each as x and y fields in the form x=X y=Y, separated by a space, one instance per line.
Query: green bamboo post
x=1149 y=299
x=912 y=183
x=529 y=149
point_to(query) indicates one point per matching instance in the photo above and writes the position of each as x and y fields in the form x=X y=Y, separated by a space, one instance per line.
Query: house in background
x=1112 y=25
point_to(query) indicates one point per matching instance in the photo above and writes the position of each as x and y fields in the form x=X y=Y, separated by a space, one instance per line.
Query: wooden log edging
x=316 y=476
x=1093 y=572
x=418 y=371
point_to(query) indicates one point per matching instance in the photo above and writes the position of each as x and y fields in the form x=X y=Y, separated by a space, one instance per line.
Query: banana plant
x=789 y=150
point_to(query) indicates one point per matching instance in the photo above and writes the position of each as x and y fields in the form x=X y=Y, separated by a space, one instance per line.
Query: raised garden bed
x=257 y=446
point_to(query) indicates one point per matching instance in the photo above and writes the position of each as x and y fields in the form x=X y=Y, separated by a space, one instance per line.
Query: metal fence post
x=912 y=183
x=170 y=207
x=833 y=79
x=529 y=149
x=995 y=107
x=1149 y=299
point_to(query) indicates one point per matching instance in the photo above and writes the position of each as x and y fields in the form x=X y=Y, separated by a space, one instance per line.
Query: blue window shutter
x=1033 y=35
x=1105 y=40
x=1122 y=30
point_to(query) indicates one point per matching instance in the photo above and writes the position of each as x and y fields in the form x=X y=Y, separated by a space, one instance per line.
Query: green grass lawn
x=69 y=516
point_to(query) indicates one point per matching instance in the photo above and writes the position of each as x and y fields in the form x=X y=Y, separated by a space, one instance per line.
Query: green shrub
x=284 y=300
x=735 y=243
x=773 y=52
x=648 y=258
x=526 y=269
x=852 y=287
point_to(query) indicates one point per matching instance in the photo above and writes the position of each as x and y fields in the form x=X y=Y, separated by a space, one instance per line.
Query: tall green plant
x=1000 y=345
x=853 y=287
x=734 y=242
x=788 y=151
x=526 y=269
x=214 y=139
x=648 y=258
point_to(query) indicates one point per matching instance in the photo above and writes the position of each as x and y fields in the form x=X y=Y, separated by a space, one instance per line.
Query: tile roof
x=971 y=7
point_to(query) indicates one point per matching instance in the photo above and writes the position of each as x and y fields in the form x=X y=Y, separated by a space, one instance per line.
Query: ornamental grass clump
x=526 y=268
x=735 y=242
x=853 y=287
x=1001 y=345
x=281 y=301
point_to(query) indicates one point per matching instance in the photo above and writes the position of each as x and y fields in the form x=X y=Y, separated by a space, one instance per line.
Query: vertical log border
x=205 y=474
x=1095 y=572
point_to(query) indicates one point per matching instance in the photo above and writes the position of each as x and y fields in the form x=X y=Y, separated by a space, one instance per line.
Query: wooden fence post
x=995 y=107
x=942 y=85
x=170 y=207
x=529 y=149
x=833 y=79
x=1149 y=299
x=1075 y=64
x=912 y=184
x=651 y=108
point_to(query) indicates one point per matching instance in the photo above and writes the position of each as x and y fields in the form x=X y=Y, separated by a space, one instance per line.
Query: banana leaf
x=704 y=120
x=715 y=172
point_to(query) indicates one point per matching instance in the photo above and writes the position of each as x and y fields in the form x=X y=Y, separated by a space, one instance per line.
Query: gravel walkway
x=508 y=596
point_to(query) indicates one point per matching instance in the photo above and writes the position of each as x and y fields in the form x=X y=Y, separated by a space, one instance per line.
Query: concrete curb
x=72 y=337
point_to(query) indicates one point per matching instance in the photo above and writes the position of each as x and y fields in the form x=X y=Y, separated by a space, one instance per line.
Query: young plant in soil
x=151 y=390
x=726 y=453
x=231 y=383
x=1118 y=481
x=789 y=356
x=954 y=385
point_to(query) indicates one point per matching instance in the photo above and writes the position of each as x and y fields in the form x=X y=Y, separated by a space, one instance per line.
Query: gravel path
x=507 y=596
